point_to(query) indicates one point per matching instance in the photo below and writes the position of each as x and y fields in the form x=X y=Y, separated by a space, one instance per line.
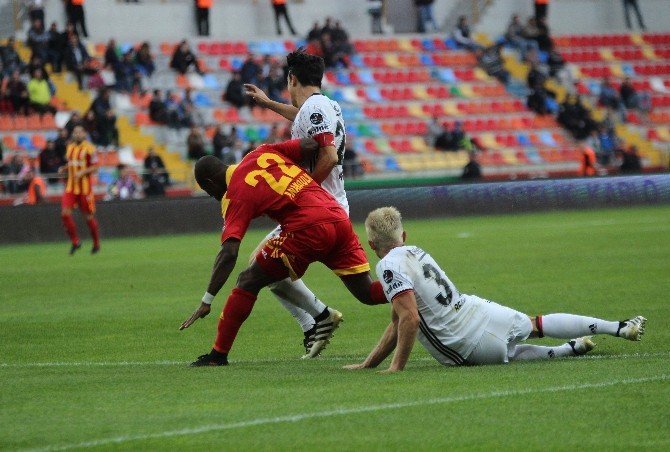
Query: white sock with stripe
x=526 y=352
x=568 y=326
x=299 y=301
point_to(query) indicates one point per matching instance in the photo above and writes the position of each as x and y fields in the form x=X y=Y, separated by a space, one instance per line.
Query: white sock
x=568 y=326
x=526 y=352
x=296 y=297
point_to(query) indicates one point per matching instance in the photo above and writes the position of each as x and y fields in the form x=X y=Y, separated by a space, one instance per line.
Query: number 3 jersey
x=268 y=182
x=450 y=323
x=319 y=114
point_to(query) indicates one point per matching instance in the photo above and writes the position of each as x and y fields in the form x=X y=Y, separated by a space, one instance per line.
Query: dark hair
x=308 y=69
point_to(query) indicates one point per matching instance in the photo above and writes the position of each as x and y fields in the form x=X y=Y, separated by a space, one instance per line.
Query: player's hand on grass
x=202 y=312
x=355 y=366
x=257 y=94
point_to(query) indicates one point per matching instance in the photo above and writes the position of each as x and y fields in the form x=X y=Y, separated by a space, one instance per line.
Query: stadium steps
x=130 y=135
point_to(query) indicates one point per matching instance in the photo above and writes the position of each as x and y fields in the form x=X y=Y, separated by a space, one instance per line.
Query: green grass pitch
x=91 y=355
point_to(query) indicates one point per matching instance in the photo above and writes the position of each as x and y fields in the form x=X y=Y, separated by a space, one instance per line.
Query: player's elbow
x=410 y=319
x=309 y=145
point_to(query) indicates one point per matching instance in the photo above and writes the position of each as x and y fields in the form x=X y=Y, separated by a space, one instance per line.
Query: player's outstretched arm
x=223 y=266
x=258 y=95
x=386 y=345
x=404 y=304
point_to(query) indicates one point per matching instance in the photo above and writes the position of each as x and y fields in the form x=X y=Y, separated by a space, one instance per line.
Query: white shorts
x=506 y=328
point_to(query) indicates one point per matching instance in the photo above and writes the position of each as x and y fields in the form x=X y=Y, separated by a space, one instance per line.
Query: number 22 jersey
x=450 y=323
x=268 y=182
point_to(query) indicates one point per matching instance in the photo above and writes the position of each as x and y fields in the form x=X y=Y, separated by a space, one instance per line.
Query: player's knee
x=250 y=281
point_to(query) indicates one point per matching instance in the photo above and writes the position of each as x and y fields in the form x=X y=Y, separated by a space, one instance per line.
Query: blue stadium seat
x=24 y=142
x=628 y=69
x=236 y=63
x=357 y=61
x=427 y=59
x=451 y=44
x=523 y=139
x=428 y=45
x=391 y=164
x=367 y=77
x=211 y=82
x=337 y=95
x=343 y=78
x=201 y=100
x=374 y=95
x=547 y=138
x=446 y=75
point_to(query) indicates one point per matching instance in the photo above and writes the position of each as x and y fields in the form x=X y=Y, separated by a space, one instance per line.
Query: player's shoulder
x=394 y=260
x=320 y=102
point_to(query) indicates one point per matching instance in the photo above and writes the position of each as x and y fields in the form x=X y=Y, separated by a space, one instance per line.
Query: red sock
x=237 y=309
x=95 y=234
x=70 y=228
x=377 y=293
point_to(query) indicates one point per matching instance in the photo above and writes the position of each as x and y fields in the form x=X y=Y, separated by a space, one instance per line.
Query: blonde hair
x=384 y=227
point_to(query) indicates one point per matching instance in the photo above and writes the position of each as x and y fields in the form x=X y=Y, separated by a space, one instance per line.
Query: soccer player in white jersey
x=463 y=329
x=313 y=115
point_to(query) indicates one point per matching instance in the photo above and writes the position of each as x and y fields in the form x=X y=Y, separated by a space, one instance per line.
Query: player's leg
x=295 y=296
x=567 y=326
x=236 y=310
x=70 y=227
x=87 y=206
x=527 y=352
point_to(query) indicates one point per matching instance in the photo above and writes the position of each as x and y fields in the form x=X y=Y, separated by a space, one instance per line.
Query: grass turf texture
x=91 y=353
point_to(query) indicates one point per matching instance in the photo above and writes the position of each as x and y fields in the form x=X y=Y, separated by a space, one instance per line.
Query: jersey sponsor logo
x=316 y=118
x=317 y=129
x=388 y=276
x=396 y=285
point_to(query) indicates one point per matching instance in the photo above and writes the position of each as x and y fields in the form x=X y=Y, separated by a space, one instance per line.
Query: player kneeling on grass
x=314 y=227
x=463 y=329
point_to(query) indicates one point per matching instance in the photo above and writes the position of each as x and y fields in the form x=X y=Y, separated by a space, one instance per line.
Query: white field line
x=273 y=360
x=347 y=411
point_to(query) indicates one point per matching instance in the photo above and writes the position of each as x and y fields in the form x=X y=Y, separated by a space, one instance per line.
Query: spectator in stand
x=587 y=160
x=274 y=136
x=60 y=143
x=232 y=151
x=112 y=59
x=156 y=177
x=280 y=10
x=55 y=48
x=190 y=110
x=128 y=79
x=490 y=60
x=195 y=144
x=459 y=138
x=574 y=116
x=376 y=12
x=37 y=189
x=514 y=36
x=341 y=39
x=351 y=165
x=50 y=161
x=36 y=10
x=609 y=97
x=314 y=32
x=183 y=58
x=16 y=169
x=17 y=93
x=250 y=70
x=37 y=63
x=630 y=163
x=219 y=141
x=328 y=26
x=472 y=170
x=435 y=129
x=125 y=186
x=90 y=125
x=70 y=30
x=544 y=36
x=202 y=8
x=144 y=61
x=541 y=9
x=631 y=99
x=10 y=57
x=106 y=119
x=538 y=100
x=425 y=16
x=157 y=109
x=536 y=78
x=314 y=47
x=627 y=6
x=462 y=35
x=74 y=121
x=38 y=39
x=607 y=145
x=39 y=94
x=75 y=14
x=234 y=93
x=276 y=84
x=76 y=59
x=176 y=116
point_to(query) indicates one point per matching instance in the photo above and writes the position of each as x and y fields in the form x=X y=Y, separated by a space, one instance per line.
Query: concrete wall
x=578 y=16
x=171 y=216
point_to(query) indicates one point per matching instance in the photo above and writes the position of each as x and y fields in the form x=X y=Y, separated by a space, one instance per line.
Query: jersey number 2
x=279 y=185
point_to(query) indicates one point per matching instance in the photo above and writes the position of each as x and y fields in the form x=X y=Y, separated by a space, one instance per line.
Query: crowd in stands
x=331 y=42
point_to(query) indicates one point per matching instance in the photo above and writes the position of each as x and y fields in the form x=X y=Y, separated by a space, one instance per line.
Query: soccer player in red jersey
x=314 y=226
x=81 y=165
